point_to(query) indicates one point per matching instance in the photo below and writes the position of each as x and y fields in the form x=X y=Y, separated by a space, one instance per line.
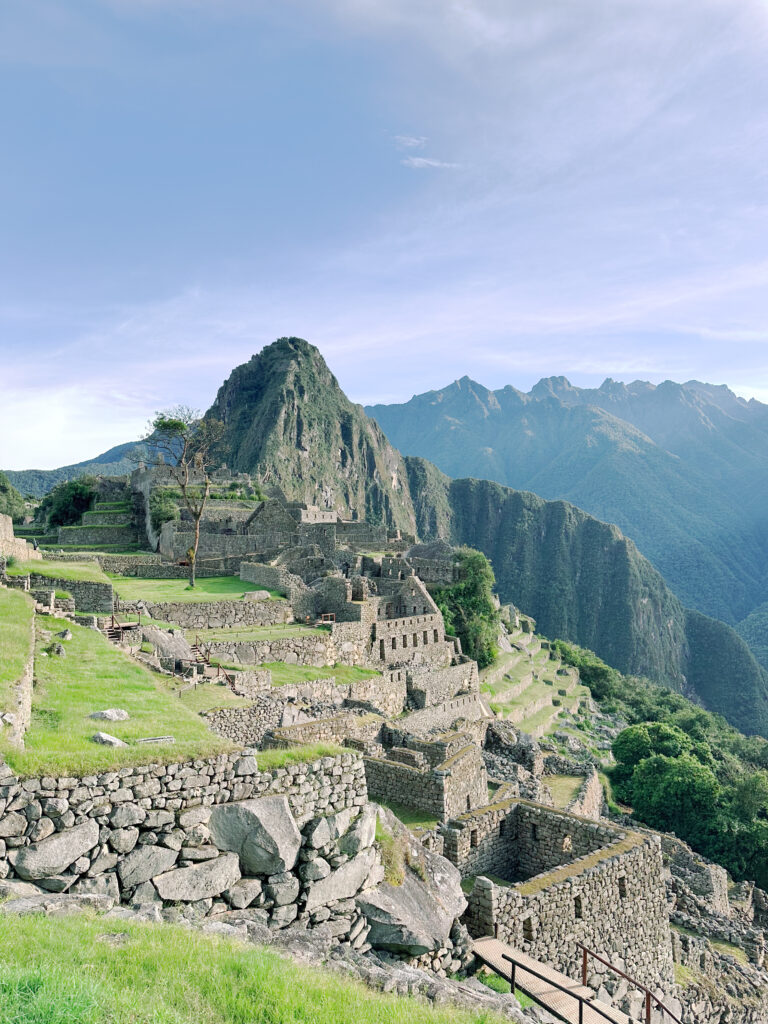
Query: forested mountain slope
x=682 y=469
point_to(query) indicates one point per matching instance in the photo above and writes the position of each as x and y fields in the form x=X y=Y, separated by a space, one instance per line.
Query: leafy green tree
x=186 y=443
x=632 y=745
x=674 y=793
x=469 y=608
x=11 y=502
x=65 y=504
x=750 y=796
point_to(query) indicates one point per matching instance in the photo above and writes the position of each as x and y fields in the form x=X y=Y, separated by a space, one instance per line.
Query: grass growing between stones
x=16 y=614
x=84 y=970
x=94 y=675
x=208 y=588
x=392 y=855
x=87 y=572
x=499 y=984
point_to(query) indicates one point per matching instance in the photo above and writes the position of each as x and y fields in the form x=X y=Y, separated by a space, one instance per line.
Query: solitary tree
x=185 y=442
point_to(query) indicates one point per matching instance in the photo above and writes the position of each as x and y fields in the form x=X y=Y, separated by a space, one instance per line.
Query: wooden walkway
x=563 y=1004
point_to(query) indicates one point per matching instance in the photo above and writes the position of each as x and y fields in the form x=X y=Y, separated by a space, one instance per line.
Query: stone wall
x=212 y=614
x=430 y=686
x=12 y=546
x=179 y=834
x=580 y=882
x=317 y=649
x=339 y=728
x=89 y=597
x=443 y=715
x=450 y=788
x=88 y=536
x=271 y=577
x=588 y=802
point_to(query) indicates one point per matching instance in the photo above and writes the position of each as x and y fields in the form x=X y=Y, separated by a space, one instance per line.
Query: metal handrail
x=649 y=995
x=582 y=1000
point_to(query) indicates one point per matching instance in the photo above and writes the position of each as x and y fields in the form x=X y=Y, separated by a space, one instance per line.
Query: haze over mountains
x=288 y=422
x=682 y=469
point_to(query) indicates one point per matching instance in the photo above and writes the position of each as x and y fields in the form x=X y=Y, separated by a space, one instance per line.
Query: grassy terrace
x=564 y=788
x=67 y=971
x=16 y=613
x=249 y=634
x=282 y=673
x=209 y=588
x=92 y=676
x=77 y=571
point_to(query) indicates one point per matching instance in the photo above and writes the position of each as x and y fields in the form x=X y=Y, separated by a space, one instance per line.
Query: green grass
x=283 y=674
x=564 y=788
x=88 y=572
x=92 y=676
x=413 y=819
x=208 y=696
x=392 y=855
x=63 y=971
x=17 y=611
x=267 y=760
x=209 y=588
x=499 y=984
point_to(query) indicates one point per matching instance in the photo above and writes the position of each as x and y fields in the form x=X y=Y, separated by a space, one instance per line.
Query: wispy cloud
x=411 y=141
x=421 y=162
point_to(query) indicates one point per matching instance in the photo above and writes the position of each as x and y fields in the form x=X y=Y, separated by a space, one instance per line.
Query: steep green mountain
x=754 y=631
x=115 y=462
x=682 y=469
x=583 y=581
x=288 y=422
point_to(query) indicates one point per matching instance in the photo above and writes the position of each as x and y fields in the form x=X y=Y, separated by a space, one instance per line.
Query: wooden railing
x=650 y=998
x=582 y=1000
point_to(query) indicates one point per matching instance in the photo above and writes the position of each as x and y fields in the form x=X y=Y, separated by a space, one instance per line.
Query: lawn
x=90 y=970
x=94 y=675
x=413 y=819
x=16 y=613
x=88 y=572
x=283 y=674
x=208 y=696
x=564 y=788
x=209 y=588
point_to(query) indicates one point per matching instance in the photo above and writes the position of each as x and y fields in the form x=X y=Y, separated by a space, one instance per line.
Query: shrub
x=468 y=606
x=162 y=509
x=65 y=504
x=11 y=502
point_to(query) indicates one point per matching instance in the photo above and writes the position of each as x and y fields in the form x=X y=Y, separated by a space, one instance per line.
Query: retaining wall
x=213 y=614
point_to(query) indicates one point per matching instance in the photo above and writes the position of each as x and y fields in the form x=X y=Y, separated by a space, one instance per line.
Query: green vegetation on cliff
x=684 y=769
x=682 y=469
x=11 y=502
x=468 y=607
x=287 y=421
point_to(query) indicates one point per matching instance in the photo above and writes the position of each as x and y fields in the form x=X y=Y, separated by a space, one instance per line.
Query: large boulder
x=144 y=863
x=54 y=855
x=343 y=883
x=261 y=832
x=201 y=881
x=168 y=643
x=415 y=917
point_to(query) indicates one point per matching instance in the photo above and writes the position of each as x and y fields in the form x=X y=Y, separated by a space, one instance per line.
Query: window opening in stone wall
x=528 y=929
x=426 y=640
x=502 y=826
x=435 y=632
x=472 y=834
x=415 y=639
x=578 y=908
x=534 y=833
x=623 y=886
x=405 y=641
x=381 y=649
x=394 y=643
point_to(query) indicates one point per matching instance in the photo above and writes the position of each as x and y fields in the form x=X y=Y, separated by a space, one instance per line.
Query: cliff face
x=583 y=581
x=288 y=422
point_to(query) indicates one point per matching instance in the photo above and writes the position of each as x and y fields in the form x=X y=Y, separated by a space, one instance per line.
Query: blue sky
x=423 y=188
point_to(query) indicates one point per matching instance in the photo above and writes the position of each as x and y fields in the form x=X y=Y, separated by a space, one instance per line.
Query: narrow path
x=544 y=989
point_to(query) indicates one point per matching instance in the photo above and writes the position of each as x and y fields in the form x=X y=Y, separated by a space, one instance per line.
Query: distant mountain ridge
x=37 y=482
x=288 y=422
x=682 y=469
